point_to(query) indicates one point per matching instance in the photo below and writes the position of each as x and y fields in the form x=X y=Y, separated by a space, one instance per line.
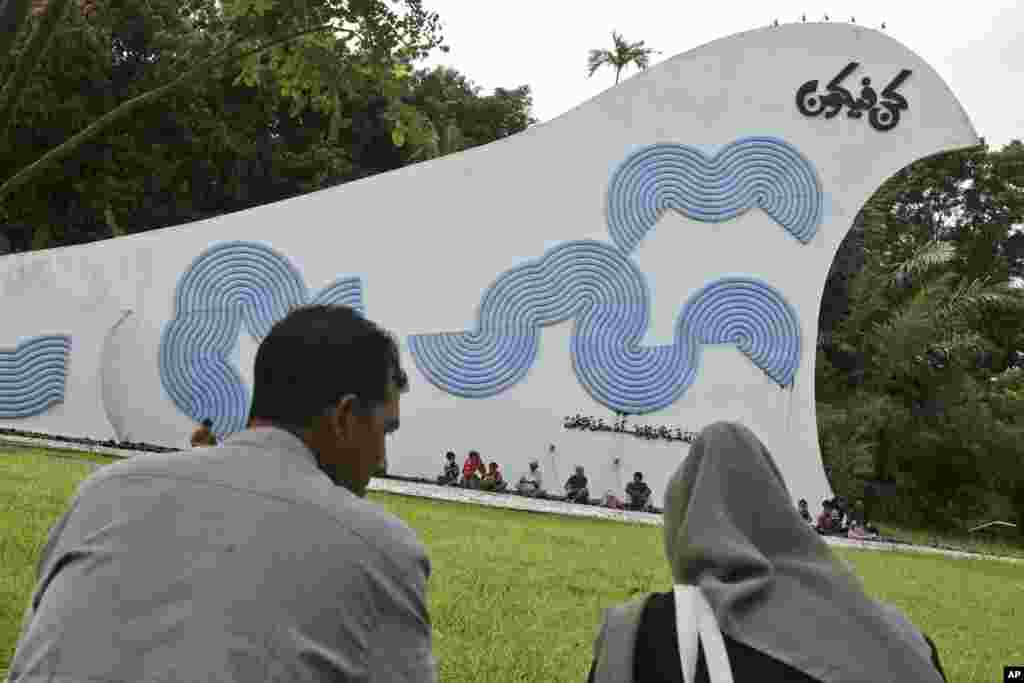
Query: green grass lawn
x=1002 y=542
x=517 y=596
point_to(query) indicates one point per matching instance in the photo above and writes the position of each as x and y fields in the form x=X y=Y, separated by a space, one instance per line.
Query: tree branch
x=40 y=40
x=119 y=113
x=12 y=16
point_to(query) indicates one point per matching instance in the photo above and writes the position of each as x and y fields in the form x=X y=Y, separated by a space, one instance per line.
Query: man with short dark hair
x=260 y=561
x=638 y=492
x=576 y=487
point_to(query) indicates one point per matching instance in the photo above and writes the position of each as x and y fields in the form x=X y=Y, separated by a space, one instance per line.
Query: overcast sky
x=977 y=47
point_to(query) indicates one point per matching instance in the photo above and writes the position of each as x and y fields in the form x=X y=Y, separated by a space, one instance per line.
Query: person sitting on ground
x=839 y=522
x=752 y=587
x=805 y=514
x=472 y=470
x=259 y=560
x=532 y=484
x=450 y=476
x=824 y=522
x=576 y=487
x=638 y=493
x=203 y=436
x=493 y=481
x=859 y=526
x=611 y=501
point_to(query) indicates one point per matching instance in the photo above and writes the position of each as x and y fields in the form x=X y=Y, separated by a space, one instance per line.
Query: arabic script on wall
x=598 y=424
x=883 y=111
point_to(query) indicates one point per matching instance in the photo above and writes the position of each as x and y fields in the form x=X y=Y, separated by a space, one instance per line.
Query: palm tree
x=620 y=56
x=912 y=310
x=915 y=325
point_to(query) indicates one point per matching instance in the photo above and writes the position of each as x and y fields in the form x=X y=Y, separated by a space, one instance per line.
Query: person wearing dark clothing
x=805 y=514
x=576 y=488
x=638 y=493
x=656 y=654
x=450 y=476
x=752 y=586
x=838 y=520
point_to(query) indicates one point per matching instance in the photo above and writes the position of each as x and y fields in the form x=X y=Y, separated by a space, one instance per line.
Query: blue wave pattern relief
x=33 y=376
x=755 y=172
x=600 y=288
x=229 y=287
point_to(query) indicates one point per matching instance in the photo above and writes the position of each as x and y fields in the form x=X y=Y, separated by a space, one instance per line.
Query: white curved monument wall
x=661 y=249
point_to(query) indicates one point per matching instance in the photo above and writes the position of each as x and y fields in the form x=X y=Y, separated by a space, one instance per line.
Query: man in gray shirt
x=257 y=561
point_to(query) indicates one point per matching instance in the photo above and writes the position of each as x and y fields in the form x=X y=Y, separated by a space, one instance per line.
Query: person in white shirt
x=532 y=483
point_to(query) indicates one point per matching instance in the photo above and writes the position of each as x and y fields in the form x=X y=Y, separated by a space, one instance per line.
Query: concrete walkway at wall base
x=557 y=507
x=514 y=502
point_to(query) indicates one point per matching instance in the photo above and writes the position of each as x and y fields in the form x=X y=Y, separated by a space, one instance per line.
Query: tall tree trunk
x=618 y=71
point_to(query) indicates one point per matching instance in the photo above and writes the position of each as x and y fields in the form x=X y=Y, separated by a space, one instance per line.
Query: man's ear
x=343 y=415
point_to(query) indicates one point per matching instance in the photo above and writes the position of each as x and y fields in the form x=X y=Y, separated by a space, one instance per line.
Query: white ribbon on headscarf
x=696 y=624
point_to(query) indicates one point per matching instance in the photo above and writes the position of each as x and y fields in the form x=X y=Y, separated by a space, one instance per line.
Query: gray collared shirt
x=243 y=563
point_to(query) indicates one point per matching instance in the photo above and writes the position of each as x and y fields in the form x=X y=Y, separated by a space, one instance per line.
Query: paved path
x=513 y=502
x=558 y=507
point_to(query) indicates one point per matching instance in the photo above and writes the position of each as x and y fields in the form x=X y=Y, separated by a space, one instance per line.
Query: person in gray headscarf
x=755 y=587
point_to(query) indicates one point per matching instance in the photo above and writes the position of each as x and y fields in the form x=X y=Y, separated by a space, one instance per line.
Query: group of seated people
x=837 y=519
x=638 y=496
x=645 y=634
x=474 y=475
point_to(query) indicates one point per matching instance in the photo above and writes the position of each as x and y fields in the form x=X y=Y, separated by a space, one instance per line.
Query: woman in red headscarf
x=472 y=470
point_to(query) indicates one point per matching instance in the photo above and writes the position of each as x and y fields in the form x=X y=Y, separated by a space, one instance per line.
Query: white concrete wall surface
x=429 y=239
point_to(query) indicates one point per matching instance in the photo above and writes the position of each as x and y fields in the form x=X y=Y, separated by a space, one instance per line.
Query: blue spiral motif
x=228 y=287
x=586 y=280
x=605 y=293
x=33 y=376
x=755 y=172
x=752 y=315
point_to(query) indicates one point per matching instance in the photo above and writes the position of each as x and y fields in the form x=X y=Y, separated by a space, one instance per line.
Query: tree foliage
x=916 y=375
x=233 y=139
x=622 y=54
x=310 y=47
